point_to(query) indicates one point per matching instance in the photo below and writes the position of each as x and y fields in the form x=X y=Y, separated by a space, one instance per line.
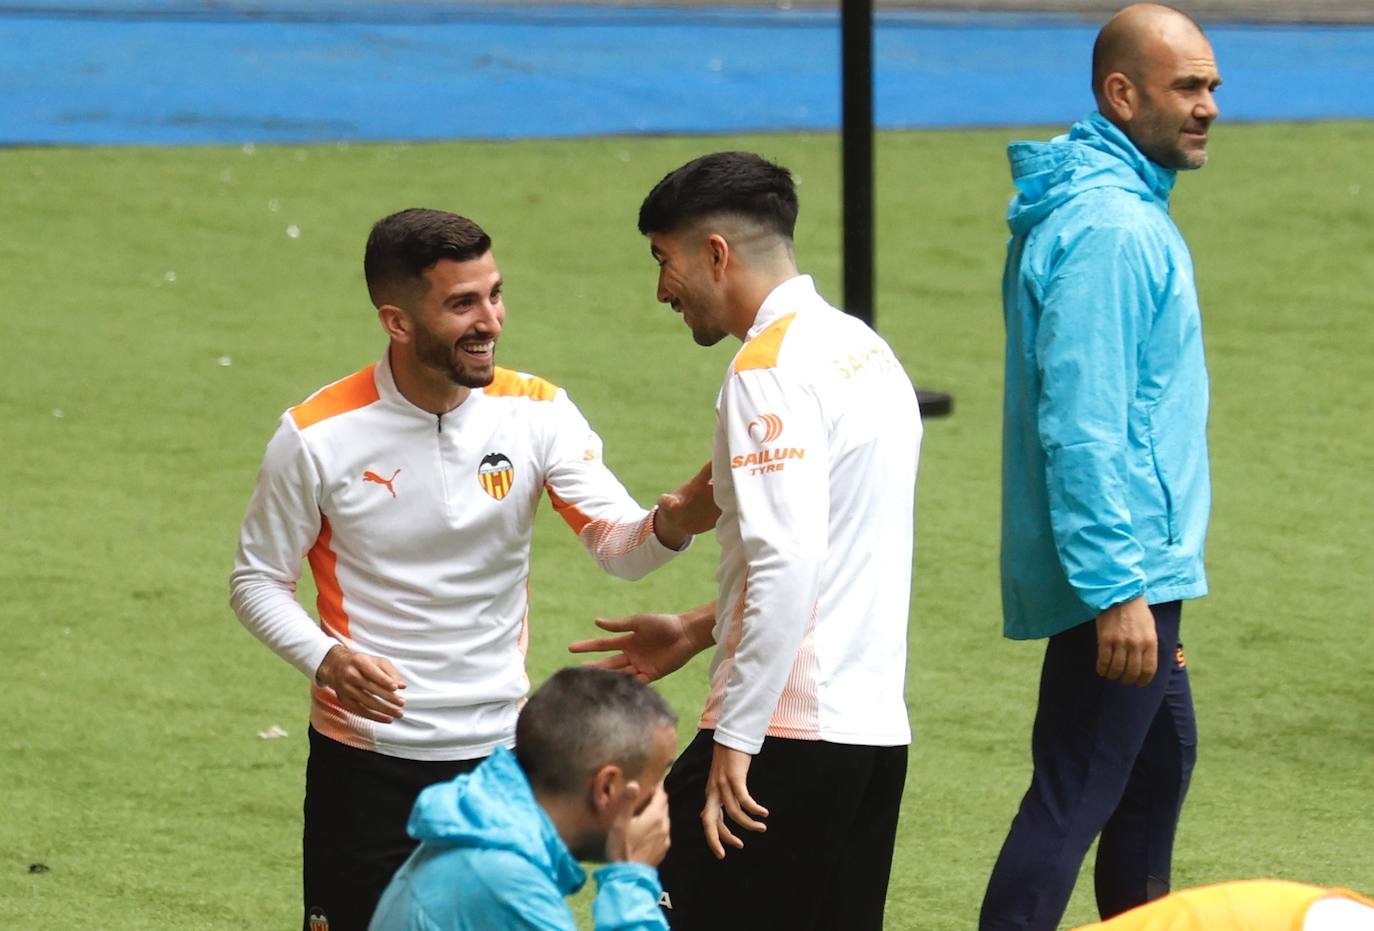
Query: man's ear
x=605 y=788
x=1120 y=96
x=718 y=251
x=396 y=322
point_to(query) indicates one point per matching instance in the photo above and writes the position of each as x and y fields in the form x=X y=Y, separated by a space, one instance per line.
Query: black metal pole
x=856 y=44
x=856 y=28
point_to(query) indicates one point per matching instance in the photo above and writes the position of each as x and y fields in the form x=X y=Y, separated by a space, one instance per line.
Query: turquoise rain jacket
x=1105 y=488
x=489 y=858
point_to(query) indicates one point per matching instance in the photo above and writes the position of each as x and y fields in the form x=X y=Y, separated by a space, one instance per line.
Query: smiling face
x=686 y=283
x=1175 y=103
x=455 y=323
x=1155 y=76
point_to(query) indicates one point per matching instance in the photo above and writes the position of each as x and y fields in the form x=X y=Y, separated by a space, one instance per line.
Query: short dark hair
x=402 y=246
x=739 y=183
x=582 y=719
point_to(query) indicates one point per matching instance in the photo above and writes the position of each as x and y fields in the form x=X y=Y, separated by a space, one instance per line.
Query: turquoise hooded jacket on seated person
x=490 y=858
x=1105 y=487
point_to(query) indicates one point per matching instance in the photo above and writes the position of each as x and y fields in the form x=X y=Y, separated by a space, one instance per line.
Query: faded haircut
x=723 y=183
x=582 y=719
x=402 y=246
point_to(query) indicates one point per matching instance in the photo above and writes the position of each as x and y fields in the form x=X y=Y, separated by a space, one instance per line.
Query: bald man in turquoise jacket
x=1105 y=487
x=1105 y=490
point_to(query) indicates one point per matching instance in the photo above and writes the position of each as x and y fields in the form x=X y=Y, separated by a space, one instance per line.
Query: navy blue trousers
x=1109 y=759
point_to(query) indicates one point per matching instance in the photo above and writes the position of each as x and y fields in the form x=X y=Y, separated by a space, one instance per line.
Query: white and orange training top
x=817 y=440
x=417 y=528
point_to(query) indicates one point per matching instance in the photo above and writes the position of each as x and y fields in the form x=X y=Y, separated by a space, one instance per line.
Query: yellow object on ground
x=1249 y=905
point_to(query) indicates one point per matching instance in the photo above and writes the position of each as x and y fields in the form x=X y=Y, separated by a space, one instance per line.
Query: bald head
x=1153 y=76
x=1134 y=37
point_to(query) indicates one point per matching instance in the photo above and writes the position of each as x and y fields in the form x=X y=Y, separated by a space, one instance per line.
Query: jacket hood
x=493 y=808
x=1094 y=154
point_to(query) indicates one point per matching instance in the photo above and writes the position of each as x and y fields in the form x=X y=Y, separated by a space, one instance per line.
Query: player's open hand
x=1128 y=643
x=653 y=645
x=689 y=510
x=367 y=686
x=728 y=794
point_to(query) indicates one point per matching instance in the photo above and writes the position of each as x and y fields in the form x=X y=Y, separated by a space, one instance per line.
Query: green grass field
x=129 y=761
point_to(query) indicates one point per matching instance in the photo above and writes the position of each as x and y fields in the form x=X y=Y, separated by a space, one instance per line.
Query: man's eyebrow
x=473 y=292
x=1198 y=80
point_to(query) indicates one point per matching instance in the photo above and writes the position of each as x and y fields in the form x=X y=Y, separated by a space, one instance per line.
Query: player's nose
x=492 y=319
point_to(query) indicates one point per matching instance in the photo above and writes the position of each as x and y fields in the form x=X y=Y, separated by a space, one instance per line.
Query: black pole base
x=934 y=403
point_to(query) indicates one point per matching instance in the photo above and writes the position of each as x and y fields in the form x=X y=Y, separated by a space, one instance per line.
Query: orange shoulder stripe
x=511 y=384
x=346 y=394
x=761 y=352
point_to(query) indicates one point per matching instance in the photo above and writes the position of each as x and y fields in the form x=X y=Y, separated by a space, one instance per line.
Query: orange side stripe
x=324 y=564
x=761 y=352
x=710 y=715
x=569 y=512
x=346 y=394
x=798 y=715
x=510 y=384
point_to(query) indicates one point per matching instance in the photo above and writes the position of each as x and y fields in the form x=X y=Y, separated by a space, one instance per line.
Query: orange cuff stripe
x=608 y=539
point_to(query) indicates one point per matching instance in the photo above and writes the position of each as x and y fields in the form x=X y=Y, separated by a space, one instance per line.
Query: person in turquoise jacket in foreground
x=1105 y=487
x=499 y=846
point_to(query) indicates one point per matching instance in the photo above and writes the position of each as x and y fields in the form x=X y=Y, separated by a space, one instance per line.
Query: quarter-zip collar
x=392 y=396
x=794 y=293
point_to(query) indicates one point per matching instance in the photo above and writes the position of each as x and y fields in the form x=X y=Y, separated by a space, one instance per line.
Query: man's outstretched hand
x=651 y=645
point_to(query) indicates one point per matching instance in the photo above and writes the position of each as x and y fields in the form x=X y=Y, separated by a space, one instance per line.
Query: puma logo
x=374 y=477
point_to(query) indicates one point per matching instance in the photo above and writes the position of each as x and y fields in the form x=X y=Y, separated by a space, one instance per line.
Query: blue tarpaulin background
x=182 y=72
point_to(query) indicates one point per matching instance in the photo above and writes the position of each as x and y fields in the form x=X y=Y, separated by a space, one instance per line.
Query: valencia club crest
x=496 y=475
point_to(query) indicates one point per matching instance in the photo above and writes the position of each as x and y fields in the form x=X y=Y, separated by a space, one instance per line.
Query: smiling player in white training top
x=411 y=487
